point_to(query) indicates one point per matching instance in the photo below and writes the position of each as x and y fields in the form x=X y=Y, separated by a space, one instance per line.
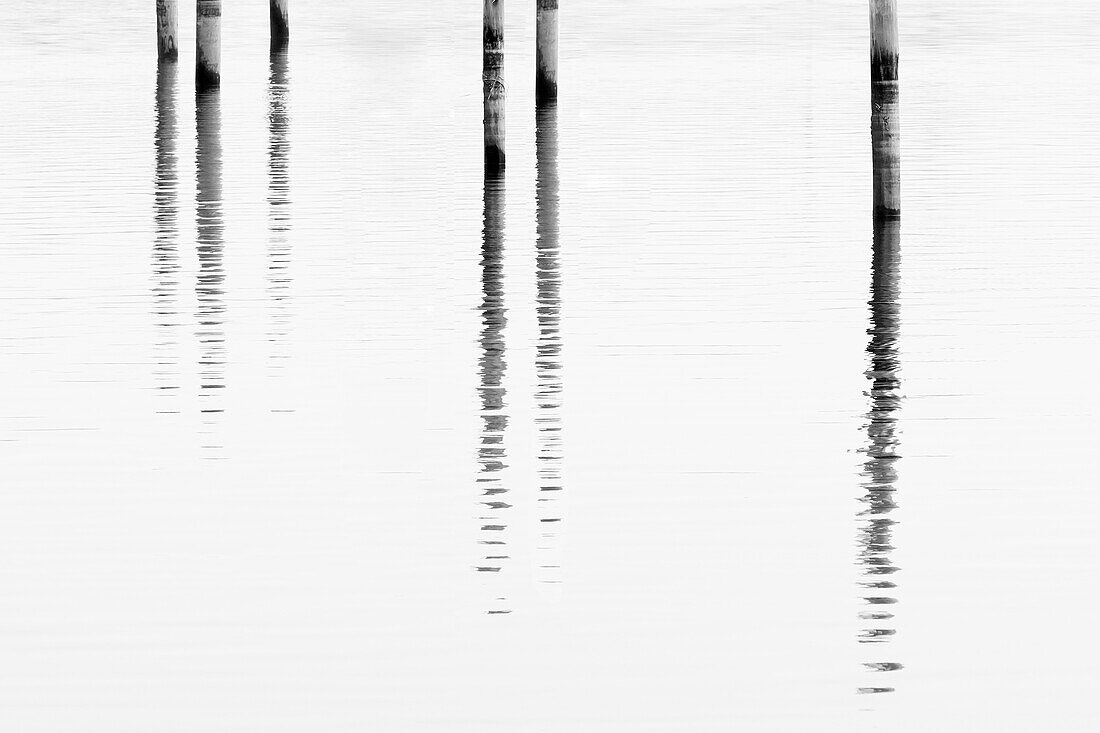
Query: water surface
x=309 y=426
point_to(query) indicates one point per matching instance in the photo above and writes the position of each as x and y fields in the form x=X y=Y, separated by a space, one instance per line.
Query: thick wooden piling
x=280 y=23
x=885 y=117
x=546 y=51
x=167 y=29
x=492 y=78
x=208 y=44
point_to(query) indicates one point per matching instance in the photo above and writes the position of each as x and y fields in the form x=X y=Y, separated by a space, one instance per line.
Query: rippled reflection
x=494 y=508
x=278 y=254
x=548 y=366
x=165 y=285
x=209 y=288
x=880 y=468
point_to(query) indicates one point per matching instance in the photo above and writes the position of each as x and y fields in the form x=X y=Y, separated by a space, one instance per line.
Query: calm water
x=307 y=426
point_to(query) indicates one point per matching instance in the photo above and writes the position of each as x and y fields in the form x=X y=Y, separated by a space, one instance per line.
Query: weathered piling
x=208 y=44
x=280 y=23
x=492 y=79
x=546 y=51
x=167 y=29
x=885 y=118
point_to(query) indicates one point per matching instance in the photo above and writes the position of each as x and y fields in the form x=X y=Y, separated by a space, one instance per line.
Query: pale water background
x=260 y=364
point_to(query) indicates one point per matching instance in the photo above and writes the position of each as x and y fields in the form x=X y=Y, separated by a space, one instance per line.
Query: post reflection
x=279 y=279
x=493 y=506
x=880 y=469
x=548 y=366
x=165 y=281
x=209 y=288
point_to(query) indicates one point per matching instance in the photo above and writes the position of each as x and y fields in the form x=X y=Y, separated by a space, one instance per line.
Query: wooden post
x=167 y=29
x=885 y=118
x=280 y=23
x=546 y=51
x=208 y=44
x=492 y=78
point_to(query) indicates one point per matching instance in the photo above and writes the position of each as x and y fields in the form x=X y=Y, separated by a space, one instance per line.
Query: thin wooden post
x=492 y=78
x=208 y=44
x=546 y=51
x=885 y=117
x=167 y=29
x=280 y=23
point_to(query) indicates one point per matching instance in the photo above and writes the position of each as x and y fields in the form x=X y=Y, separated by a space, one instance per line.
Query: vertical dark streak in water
x=209 y=287
x=165 y=246
x=278 y=169
x=880 y=468
x=491 y=453
x=548 y=365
